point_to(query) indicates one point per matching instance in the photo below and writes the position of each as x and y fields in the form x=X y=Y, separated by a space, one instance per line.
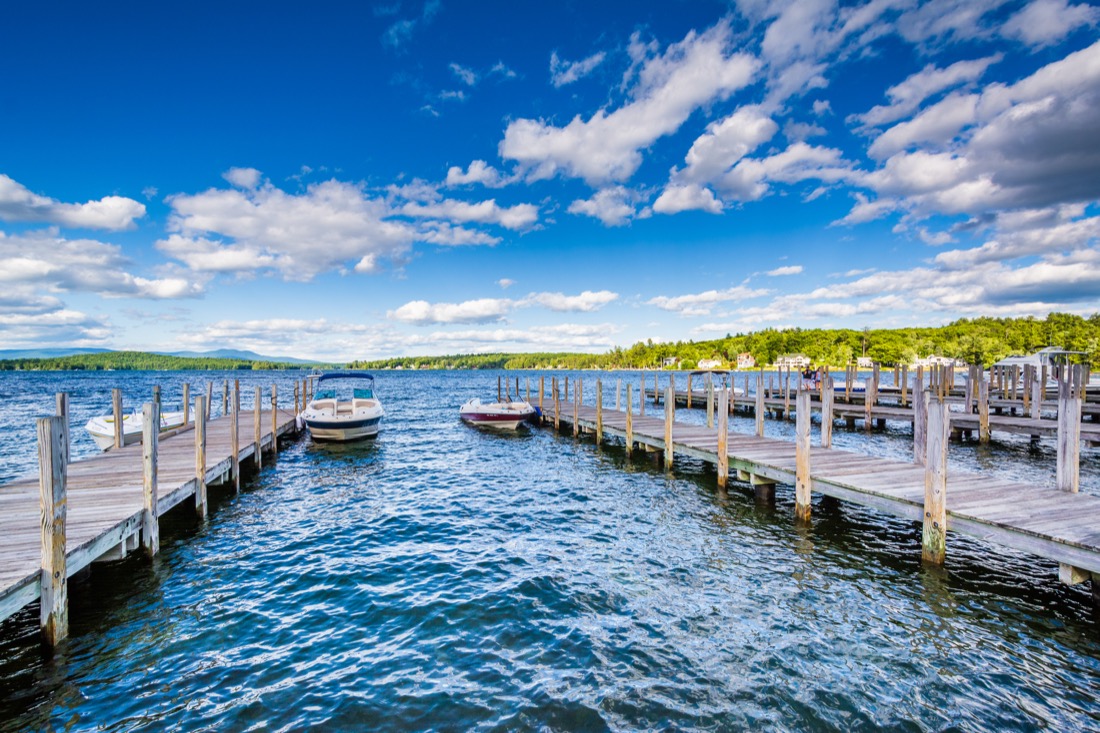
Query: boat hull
x=102 y=429
x=510 y=422
x=341 y=431
x=503 y=416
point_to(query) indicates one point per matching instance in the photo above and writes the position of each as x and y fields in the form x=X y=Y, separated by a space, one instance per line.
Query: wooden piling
x=599 y=411
x=1036 y=396
x=670 y=414
x=630 y=420
x=225 y=398
x=200 y=457
x=576 y=408
x=235 y=436
x=209 y=399
x=983 y=410
x=542 y=388
x=557 y=406
x=257 y=428
x=274 y=420
x=186 y=403
x=934 y=531
x=688 y=391
x=52 y=478
x=920 y=426
x=827 y=412
x=710 y=400
x=759 y=407
x=723 y=439
x=150 y=520
x=61 y=401
x=802 y=456
x=904 y=383
x=1071 y=388
x=116 y=410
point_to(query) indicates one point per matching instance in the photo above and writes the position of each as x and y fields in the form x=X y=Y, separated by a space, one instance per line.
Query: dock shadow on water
x=447 y=578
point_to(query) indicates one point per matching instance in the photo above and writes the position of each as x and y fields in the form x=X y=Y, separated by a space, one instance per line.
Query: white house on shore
x=793 y=361
x=745 y=360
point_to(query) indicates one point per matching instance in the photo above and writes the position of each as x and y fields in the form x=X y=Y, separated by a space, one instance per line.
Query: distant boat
x=504 y=415
x=344 y=408
x=102 y=428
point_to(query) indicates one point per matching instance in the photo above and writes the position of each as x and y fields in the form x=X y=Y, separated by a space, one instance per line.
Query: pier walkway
x=104 y=500
x=1060 y=525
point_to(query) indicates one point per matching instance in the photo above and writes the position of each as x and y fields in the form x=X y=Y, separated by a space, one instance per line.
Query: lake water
x=444 y=578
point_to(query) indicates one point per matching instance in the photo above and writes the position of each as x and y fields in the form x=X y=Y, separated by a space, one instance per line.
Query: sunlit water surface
x=445 y=578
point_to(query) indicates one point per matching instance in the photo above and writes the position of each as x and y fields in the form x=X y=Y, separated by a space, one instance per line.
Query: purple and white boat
x=504 y=415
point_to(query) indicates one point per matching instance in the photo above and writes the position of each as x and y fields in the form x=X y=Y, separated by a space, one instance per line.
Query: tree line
x=974 y=341
x=137 y=361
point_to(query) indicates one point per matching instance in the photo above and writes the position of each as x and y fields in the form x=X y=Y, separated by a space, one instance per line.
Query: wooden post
x=116 y=409
x=235 y=436
x=52 y=477
x=565 y=396
x=200 y=457
x=62 y=402
x=983 y=410
x=802 y=456
x=670 y=415
x=904 y=384
x=186 y=403
x=934 y=533
x=827 y=412
x=599 y=411
x=1071 y=388
x=577 y=409
x=297 y=409
x=1036 y=395
x=688 y=391
x=920 y=426
x=209 y=399
x=760 y=403
x=787 y=395
x=156 y=396
x=542 y=387
x=150 y=522
x=723 y=438
x=274 y=420
x=257 y=428
x=710 y=400
x=630 y=420
x=225 y=398
x=870 y=397
x=557 y=406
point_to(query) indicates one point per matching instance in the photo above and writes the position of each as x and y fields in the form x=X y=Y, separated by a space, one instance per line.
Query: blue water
x=444 y=578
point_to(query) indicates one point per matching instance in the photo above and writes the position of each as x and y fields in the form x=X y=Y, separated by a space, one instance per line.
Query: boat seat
x=327 y=407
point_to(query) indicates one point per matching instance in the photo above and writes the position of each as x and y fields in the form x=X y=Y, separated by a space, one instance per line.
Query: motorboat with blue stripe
x=344 y=407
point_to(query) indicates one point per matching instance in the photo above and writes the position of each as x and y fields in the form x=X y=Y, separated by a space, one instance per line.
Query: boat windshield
x=345 y=390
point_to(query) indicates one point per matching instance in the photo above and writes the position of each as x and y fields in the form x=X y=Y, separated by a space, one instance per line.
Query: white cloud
x=1044 y=22
x=676 y=198
x=749 y=180
x=466 y=76
x=520 y=216
x=607 y=147
x=940 y=21
x=786 y=270
x=701 y=304
x=614 y=206
x=477 y=172
x=908 y=95
x=566 y=72
x=585 y=302
x=483 y=310
x=506 y=283
x=18 y=204
x=724 y=143
x=247 y=178
x=45 y=261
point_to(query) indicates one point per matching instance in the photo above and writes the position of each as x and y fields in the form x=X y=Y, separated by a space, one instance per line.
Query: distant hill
x=140 y=360
x=238 y=354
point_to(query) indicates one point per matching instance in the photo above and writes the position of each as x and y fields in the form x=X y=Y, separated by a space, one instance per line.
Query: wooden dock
x=1054 y=523
x=55 y=524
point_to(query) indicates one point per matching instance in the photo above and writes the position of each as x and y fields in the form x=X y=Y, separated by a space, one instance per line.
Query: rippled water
x=450 y=579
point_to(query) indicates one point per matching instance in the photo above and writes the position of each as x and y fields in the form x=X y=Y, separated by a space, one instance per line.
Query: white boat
x=505 y=415
x=102 y=428
x=344 y=408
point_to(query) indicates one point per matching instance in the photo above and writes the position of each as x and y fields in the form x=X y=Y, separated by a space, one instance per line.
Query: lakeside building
x=745 y=360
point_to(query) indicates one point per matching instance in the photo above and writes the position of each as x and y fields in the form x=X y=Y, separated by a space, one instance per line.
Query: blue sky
x=360 y=180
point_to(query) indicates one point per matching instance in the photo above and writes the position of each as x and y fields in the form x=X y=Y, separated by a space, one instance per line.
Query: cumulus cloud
x=585 y=302
x=701 y=304
x=520 y=216
x=477 y=172
x=566 y=72
x=46 y=261
x=677 y=197
x=1044 y=22
x=608 y=146
x=614 y=206
x=243 y=177
x=786 y=270
x=483 y=310
x=18 y=204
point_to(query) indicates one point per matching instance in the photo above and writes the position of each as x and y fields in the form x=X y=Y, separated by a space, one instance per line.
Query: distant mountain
x=238 y=354
x=45 y=353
